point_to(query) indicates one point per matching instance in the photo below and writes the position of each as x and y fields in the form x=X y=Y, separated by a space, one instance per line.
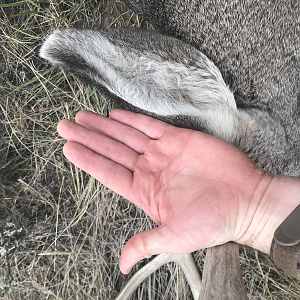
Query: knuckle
x=143 y=246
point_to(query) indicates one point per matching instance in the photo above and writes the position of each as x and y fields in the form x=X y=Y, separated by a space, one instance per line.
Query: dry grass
x=60 y=231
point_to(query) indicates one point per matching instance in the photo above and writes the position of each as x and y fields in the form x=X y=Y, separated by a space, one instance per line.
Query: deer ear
x=155 y=73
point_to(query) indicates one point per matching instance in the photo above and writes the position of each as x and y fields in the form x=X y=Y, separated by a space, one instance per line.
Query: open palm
x=194 y=186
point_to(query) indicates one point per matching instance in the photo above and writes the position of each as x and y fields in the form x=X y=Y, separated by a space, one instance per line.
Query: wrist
x=274 y=199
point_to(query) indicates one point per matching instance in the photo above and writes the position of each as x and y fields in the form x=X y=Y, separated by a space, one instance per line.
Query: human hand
x=199 y=190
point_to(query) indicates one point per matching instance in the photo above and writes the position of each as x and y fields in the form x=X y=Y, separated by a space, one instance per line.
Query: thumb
x=148 y=243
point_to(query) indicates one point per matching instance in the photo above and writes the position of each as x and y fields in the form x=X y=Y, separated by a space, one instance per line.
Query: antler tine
x=188 y=266
x=185 y=262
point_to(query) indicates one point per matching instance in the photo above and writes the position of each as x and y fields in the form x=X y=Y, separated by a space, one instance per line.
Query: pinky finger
x=111 y=174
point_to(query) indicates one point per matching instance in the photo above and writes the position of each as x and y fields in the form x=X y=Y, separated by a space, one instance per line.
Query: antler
x=222 y=277
x=185 y=262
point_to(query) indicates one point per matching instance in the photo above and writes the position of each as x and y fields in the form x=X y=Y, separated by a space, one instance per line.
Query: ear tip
x=48 y=44
x=53 y=42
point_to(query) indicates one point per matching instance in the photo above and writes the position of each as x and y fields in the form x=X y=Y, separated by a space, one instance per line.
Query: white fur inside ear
x=147 y=81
